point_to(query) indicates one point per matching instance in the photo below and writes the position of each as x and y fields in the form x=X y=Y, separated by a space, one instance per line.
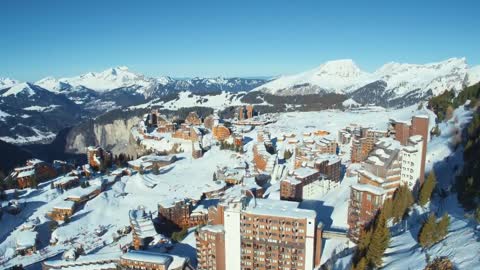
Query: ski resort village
x=330 y=189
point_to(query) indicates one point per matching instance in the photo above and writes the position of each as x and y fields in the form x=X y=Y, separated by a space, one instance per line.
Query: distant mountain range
x=394 y=84
x=35 y=112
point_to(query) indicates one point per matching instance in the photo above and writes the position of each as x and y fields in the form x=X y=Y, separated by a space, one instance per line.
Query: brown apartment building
x=176 y=211
x=261 y=234
x=364 y=142
x=211 y=247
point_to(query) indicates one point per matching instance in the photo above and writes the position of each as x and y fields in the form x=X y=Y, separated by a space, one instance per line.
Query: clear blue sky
x=244 y=38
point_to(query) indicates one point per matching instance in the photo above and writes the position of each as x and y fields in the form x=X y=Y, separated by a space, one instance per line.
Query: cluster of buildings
x=35 y=171
x=249 y=233
x=398 y=159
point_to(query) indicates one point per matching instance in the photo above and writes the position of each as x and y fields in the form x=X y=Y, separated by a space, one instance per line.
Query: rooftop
x=65 y=205
x=278 y=208
x=170 y=261
x=26 y=239
x=369 y=188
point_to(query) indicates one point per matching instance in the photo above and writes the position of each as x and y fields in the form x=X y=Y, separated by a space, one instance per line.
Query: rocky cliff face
x=113 y=136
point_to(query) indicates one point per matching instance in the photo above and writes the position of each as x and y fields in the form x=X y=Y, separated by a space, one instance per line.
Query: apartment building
x=176 y=211
x=393 y=162
x=262 y=234
x=363 y=142
x=411 y=161
x=143 y=229
x=211 y=247
x=403 y=130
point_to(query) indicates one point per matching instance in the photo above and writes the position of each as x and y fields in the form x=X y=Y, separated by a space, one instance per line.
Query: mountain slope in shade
x=32 y=114
x=344 y=77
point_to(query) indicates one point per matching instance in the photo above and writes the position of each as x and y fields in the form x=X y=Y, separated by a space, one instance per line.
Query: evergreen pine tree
x=388 y=208
x=427 y=189
x=364 y=239
x=426 y=237
x=442 y=227
x=379 y=242
x=361 y=265
x=477 y=214
x=402 y=200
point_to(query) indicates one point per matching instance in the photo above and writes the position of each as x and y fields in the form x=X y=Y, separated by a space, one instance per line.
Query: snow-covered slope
x=473 y=75
x=437 y=77
x=7 y=82
x=19 y=89
x=333 y=76
x=397 y=79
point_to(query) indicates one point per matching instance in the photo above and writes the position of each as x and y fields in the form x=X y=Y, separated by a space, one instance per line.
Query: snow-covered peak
x=52 y=84
x=344 y=68
x=7 y=82
x=106 y=80
x=21 y=88
x=164 y=80
x=333 y=76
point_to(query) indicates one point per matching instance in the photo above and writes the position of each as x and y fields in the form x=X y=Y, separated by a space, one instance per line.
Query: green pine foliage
x=427 y=189
x=179 y=236
x=379 y=241
x=432 y=232
x=287 y=155
x=426 y=237
x=442 y=227
x=402 y=201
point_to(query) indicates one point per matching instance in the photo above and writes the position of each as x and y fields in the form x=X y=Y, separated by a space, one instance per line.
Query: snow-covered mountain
x=393 y=81
x=333 y=76
x=7 y=82
x=107 y=80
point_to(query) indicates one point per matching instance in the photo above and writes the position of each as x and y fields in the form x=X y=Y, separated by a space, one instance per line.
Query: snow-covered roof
x=68 y=205
x=82 y=192
x=304 y=172
x=291 y=180
x=213 y=228
x=26 y=239
x=369 y=188
x=97 y=266
x=149 y=159
x=142 y=222
x=415 y=138
x=64 y=180
x=331 y=158
x=376 y=160
x=371 y=176
x=154 y=257
x=26 y=173
x=278 y=208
